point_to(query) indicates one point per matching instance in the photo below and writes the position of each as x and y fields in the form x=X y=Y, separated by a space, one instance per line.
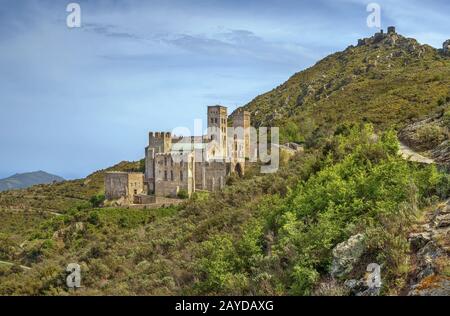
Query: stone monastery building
x=175 y=165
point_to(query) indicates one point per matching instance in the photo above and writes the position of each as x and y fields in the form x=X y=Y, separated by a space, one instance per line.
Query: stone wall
x=150 y=169
x=116 y=185
x=123 y=185
x=135 y=184
x=174 y=172
x=211 y=176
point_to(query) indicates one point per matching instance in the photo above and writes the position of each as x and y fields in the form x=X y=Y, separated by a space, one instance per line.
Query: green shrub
x=97 y=200
x=446 y=118
x=362 y=187
x=430 y=135
x=182 y=194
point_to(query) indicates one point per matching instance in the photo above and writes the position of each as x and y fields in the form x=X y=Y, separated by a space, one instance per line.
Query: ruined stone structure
x=124 y=185
x=380 y=36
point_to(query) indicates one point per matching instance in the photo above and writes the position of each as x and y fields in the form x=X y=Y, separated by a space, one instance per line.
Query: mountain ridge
x=385 y=80
x=28 y=179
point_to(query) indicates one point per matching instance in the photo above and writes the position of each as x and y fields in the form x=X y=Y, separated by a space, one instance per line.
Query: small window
x=181 y=175
x=171 y=175
x=165 y=175
x=135 y=192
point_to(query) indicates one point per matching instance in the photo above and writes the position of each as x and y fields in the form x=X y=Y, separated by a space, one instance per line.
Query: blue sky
x=77 y=100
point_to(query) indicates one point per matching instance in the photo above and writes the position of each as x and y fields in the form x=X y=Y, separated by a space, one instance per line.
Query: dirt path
x=409 y=154
x=12 y=264
x=33 y=210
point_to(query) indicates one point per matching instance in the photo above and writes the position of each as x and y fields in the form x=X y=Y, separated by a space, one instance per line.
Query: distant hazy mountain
x=25 y=180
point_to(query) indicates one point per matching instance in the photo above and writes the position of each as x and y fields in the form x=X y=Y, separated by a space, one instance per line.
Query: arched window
x=165 y=175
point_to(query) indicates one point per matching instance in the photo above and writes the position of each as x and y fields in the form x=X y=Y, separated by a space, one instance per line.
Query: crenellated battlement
x=153 y=135
x=160 y=141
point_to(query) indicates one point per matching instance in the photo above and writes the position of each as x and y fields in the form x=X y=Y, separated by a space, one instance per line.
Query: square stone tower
x=241 y=129
x=158 y=143
x=217 y=128
x=123 y=185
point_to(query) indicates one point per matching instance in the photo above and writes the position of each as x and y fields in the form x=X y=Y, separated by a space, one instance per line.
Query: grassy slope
x=125 y=251
x=23 y=211
x=60 y=197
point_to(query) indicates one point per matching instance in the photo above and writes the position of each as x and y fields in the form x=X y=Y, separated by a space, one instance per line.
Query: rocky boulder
x=432 y=286
x=346 y=255
x=361 y=288
x=446 y=47
x=431 y=252
x=442 y=221
x=71 y=230
x=419 y=240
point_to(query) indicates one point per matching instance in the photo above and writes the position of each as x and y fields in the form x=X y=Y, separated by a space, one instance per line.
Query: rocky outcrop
x=431 y=247
x=361 y=288
x=71 y=230
x=432 y=286
x=429 y=137
x=411 y=135
x=346 y=255
x=446 y=48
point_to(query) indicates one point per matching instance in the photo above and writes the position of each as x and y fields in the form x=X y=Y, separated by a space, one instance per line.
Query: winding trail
x=409 y=154
x=12 y=264
x=32 y=210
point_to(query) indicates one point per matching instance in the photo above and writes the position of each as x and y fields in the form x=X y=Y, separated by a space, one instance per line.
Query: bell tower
x=217 y=128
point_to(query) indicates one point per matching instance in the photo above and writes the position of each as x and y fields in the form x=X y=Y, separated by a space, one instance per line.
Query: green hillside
x=388 y=83
x=264 y=234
